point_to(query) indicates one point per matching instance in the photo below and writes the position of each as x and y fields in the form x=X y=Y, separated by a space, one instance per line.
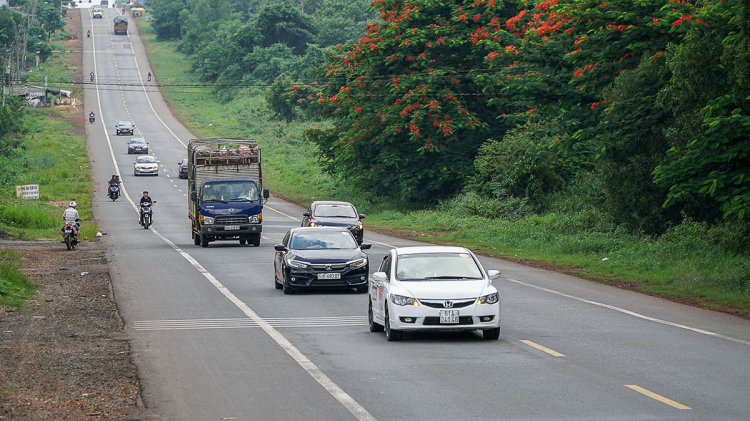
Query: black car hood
x=335 y=222
x=327 y=256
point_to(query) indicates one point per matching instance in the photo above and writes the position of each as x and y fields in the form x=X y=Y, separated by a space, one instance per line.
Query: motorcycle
x=114 y=192
x=71 y=236
x=92 y=76
x=146 y=215
x=91 y=119
x=149 y=76
x=88 y=34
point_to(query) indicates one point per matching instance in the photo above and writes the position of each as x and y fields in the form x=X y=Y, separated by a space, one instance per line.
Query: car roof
x=144 y=157
x=430 y=249
x=317 y=229
x=330 y=202
x=124 y=122
x=137 y=139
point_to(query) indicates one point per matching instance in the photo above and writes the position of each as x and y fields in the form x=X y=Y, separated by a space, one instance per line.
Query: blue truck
x=226 y=199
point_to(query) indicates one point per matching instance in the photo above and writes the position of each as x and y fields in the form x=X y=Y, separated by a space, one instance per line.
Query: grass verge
x=15 y=287
x=692 y=263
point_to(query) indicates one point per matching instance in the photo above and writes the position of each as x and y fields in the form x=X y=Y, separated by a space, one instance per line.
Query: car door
x=279 y=260
x=381 y=299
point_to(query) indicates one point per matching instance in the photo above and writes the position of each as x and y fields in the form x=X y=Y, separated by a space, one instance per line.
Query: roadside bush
x=472 y=204
x=15 y=287
x=27 y=217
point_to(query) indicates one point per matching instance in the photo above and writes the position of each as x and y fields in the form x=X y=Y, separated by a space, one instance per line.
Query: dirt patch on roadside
x=64 y=355
x=74 y=57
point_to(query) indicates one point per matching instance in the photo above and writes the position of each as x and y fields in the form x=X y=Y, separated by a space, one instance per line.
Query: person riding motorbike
x=70 y=216
x=145 y=199
x=88 y=33
x=92 y=76
x=91 y=117
x=114 y=181
x=149 y=76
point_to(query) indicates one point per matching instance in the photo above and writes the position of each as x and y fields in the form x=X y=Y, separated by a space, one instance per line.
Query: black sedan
x=335 y=214
x=320 y=258
x=125 y=127
x=137 y=145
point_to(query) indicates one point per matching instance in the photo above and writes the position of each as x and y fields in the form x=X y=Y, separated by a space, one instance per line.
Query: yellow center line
x=658 y=397
x=541 y=348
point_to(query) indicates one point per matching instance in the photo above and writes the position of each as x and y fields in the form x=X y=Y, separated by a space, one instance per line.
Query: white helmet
x=72 y=204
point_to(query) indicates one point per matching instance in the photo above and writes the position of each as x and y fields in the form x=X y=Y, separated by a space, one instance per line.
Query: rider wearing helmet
x=70 y=216
x=115 y=180
x=145 y=199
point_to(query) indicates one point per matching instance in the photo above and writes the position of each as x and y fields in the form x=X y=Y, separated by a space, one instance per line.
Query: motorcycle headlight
x=401 y=300
x=355 y=264
x=296 y=264
x=254 y=219
x=312 y=224
x=207 y=220
x=489 y=298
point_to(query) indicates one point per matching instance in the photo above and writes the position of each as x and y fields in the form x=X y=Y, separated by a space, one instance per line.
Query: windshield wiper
x=241 y=200
x=451 y=277
x=215 y=200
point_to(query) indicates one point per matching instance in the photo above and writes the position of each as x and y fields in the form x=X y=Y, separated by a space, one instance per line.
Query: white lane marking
x=282 y=213
x=378 y=242
x=292 y=322
x=316 y=373
x=632 y=313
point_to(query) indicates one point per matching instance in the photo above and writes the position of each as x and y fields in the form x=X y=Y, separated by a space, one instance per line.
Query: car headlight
x=296 y=264
x=207 y=220
x=401 y=300
x=254 y=219
x=357 y=227
x=489 y=298
x=354 y=264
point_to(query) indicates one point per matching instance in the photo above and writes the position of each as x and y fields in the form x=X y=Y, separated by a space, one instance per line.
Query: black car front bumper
x=350 y=278
x=119 y=132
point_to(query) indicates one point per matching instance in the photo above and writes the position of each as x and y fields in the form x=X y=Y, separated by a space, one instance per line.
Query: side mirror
x=493 y=274
x=362 y=216
x=279 y=247
x=266 y=194
x=365 y=246
x=306 y=214
x=193 y=196
x=154 y=201
x=379 y=277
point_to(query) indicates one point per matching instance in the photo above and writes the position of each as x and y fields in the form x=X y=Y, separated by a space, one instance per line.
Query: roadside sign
x=28 y=191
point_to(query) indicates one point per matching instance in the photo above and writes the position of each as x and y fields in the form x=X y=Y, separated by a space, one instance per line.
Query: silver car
x=146 y=165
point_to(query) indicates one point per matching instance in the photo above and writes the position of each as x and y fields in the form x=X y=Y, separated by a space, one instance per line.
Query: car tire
x=491 y=334
x=362 y=289
x=204 y=241
x=374 y=326
x=391 y=335
x=196 y=239
x=242 y=241
x=255 y=240
x=130 y=152
x=276 y=282
x=287 y=289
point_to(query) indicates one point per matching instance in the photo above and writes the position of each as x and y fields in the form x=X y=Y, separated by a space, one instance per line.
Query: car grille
x=231 y=220
x=435 y=321
x=334 y=266
x=439 y=303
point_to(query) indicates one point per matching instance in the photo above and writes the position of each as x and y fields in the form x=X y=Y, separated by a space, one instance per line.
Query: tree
x=279 y=23
x=50 y=18
x=166 y=18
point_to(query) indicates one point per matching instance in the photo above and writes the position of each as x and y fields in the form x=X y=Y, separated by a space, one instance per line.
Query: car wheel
x=130 y=152
x=243 y=241
x=256 y=240
x=362 y=289
x=287 y=289
x=391 y=335
x=196 y=239
x=491 y=334
x=276 y=282
x=374 y=327
x=204 y=241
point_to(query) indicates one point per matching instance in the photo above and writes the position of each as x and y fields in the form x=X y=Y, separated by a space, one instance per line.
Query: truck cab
x=231 y=209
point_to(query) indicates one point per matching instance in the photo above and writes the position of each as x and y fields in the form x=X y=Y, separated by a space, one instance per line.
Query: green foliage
x=280 y=23
x=341 y=21
x=11 y=118
x=166 y=18
x=15 y=287
x=499 y=207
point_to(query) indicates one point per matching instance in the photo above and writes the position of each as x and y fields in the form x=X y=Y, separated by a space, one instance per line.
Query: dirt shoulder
x=64 y=355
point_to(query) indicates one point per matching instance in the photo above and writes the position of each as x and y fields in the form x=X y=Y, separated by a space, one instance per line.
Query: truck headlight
x=355 y=264
x=489 y=298
x=296 y=264
x=254 y=219
x=401 y=300
x=207 y=220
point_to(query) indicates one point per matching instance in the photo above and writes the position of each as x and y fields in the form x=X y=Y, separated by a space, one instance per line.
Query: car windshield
x=335 y=211
x=230 y=191
x=320 y=240
x=137 y=141
x=146 y=160
x=124 y=124
x=436 y=267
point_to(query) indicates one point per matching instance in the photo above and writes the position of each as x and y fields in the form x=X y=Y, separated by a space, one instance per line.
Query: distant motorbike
x=146 y=215
x=92 y=76
x=88 y=34
x=114 y=192
x=91 y=118
x=71 y=235
x=149 y=76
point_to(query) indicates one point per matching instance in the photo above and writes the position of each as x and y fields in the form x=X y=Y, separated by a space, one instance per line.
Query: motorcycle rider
x=91 y=117
x=114 y=181
x=88 y=33
x=145 y=199
x=149 y=76
x=70 y=216
x=92 y=76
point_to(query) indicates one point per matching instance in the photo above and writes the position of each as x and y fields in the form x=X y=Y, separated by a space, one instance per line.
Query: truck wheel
x=256 y=240
x=196 y=239
x=204 y=241
x=243 y=241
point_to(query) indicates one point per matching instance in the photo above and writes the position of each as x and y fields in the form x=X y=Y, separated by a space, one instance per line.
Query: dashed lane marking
x=656 y=396
x=542 y=348
x=240 y=323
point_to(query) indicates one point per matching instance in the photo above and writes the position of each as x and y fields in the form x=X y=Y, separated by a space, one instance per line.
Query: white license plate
x=231 y=228
x=329 y=276
x=449 y=317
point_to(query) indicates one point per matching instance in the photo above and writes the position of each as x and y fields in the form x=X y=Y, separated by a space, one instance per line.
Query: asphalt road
x=214 y=340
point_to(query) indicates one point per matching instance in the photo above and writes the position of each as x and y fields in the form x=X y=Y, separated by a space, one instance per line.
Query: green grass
x=691 y=261
x=15 y=287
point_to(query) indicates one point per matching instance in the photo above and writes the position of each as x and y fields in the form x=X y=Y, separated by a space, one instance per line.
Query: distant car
x=433 y=287
x=183 y=168
x=98 y=13
x=146 y=165
x=335 y=214
x=105 y=3
x=325 y=257
x=125 y=127
x=137 y=145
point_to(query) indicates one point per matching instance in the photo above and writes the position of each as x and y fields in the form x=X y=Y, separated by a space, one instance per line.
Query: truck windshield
x=230 y=191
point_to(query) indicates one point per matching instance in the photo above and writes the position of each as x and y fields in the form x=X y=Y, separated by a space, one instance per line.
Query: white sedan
x=419 y=288
x=146 y=165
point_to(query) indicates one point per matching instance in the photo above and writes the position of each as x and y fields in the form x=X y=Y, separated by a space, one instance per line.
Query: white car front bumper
x=471 y=317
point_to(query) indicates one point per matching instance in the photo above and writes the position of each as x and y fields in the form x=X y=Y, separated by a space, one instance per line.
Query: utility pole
x=3 y=73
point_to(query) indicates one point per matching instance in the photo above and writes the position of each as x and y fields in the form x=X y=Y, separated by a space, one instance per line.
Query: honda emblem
x=448 y=304
x=329 y=267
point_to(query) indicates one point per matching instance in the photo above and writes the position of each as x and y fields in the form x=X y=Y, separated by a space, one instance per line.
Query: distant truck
x=226 y=194
x=121 y=26
x=105 y=3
